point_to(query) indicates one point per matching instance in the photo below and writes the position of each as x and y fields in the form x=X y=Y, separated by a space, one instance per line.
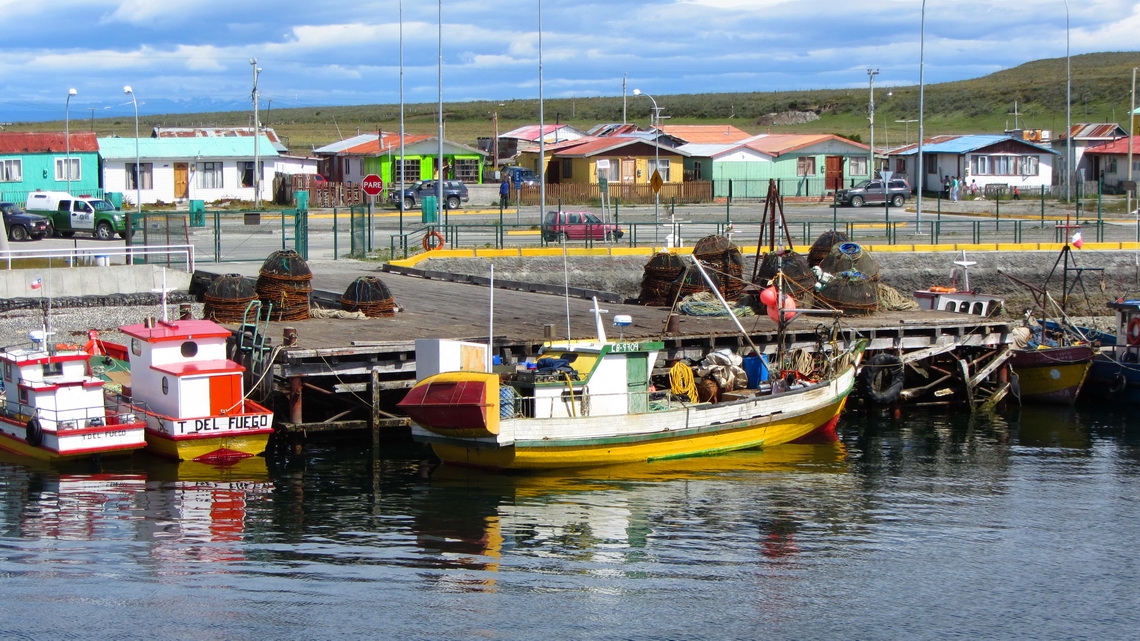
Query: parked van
x=85 y=214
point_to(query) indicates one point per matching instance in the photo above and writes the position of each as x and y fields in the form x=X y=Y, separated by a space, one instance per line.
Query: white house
x=181 y=169
x=982 y=159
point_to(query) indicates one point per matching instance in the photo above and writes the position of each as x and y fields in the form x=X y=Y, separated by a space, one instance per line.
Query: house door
x=833 y=176
x=628 y=170
x=181 y=180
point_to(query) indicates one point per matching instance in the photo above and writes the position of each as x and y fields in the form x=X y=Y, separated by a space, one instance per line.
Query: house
x=617 y=159
x=1109 y=161
x=706 y=134
x=180 y=169
x=1000 y=160
x=527 y=137
x=1080 y=137
x=39 y=161
x=352 y=159
x=805 y=165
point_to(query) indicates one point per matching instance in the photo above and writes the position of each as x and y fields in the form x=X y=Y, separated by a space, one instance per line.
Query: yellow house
x=617 y=159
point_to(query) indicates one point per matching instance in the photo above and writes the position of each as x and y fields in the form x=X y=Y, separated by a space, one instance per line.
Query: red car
x=577 y=225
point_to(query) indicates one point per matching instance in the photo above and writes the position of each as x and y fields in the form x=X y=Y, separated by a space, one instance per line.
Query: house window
x=245 y=169
x=612 y=170
x=857 y=166
x=411 y=171
x=698 y=170
x=467 y=170
x=567 y=168
x=805 y=166
x=1005 y=165
x=1030 y=165
x=209 y=175
x=661 y=166
x=145 y=176
x=61 y=165
x=1110 y=165
x=931 y=163
x=11 y=171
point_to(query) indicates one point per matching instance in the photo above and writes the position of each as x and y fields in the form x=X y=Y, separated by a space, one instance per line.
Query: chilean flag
x=1077 y=242
x=37 y=283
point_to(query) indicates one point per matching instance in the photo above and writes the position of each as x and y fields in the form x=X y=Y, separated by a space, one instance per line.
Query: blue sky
x=193 y=55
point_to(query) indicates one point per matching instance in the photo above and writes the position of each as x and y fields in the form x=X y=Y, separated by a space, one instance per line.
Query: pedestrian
x=973 y=187
x=505 y=192
x=954 y=188
x=946 y=185
x=1016 y=193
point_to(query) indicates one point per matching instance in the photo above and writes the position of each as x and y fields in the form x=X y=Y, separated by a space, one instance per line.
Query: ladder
x=251 y=349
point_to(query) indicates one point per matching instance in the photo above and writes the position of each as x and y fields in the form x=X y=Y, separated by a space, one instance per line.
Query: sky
x=194 y=55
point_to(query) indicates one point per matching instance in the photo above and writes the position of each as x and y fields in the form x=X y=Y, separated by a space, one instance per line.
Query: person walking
x=1016 y=193
x=505 y=193
x=954 y=183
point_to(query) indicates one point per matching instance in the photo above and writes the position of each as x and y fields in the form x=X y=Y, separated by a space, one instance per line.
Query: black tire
x=18 y=233
x=104 y=231
x=66 y=234
x=453 y=202
x=619 y=233
x=562 y=237
x=883 y=378
x=548 y=237
x=856 y=201
x=34 y=434
x=897 y=200
x=50 y=231
x=409 y=203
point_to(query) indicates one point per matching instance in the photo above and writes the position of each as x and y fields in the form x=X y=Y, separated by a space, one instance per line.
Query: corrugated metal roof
x=965 y=144
x=1119 y=146
x=237 y=147
x=341 y=145
x=705 y=134
x=49 y=142
x=1095 y=131
x=613 y=129
x=218 y=132
x=390 y=141
x=531 y=132
x=780 y=144
x=593 y=146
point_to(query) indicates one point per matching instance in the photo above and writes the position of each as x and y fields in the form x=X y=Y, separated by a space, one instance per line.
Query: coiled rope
x=681 y=381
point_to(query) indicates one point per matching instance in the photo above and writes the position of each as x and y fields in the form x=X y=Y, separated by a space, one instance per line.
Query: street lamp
x=256 y=138
x=656 y=158
x=138 y=167
x=67 y=133
x=1068 y=114
x=871 y=73
x=920 y=169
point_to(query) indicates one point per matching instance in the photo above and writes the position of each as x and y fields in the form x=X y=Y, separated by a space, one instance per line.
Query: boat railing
x=63 y=420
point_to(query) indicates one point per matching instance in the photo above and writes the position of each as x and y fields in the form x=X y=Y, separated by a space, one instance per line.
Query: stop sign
x=372 y=185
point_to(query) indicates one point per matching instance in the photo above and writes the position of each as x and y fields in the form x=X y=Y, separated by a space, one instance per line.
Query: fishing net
x=285 y=282
x=227 y=298
x=822 y=246
x=723 y=257
x=657 y=279
x=796 y=272
x=370 y=295
x=850 y=257
x=851 y=292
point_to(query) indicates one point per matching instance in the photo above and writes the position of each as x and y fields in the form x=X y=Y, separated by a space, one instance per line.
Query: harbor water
x=936 y=526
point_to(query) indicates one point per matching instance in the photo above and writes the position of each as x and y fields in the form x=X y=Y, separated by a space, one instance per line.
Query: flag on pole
x=37 y=283
x=1077 y=242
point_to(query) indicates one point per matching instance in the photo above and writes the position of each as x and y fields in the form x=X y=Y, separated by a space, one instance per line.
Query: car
x=871 y=191
x=577 y=225
x=22 y=225
x=521 y=177
x=454 y=193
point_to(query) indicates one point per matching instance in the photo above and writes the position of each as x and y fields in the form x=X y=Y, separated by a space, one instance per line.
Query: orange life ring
x=944 y=290
x=1133 y=332
x=429 y=245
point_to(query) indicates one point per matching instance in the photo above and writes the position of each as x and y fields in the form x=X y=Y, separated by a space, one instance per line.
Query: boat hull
x=696 y=430
x=1113 y=380
x=211 y=438
x=121 y=439
x=1052 y=374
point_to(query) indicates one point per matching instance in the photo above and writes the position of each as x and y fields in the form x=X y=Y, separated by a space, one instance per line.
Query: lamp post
x=653 y=122
x=256 y=137
x=1068 y=112
x=920 y=169
x=138 y=169
x=67 y=134
x=871 y=73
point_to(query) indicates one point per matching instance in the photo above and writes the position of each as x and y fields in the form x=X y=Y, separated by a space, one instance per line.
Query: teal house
x=41 y=162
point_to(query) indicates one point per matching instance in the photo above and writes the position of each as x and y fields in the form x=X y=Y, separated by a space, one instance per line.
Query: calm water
x=1017 y=527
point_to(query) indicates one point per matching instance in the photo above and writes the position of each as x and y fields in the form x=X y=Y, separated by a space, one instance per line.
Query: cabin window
x=7 y=371
x=61 y=166
x=245 y=170
x=857 y=166
x=411 y=170
x=661 y=166
x=165 y=386
x=145 y=176
x=466 y=169
x=189 y=349
x=136 y=347
x=567 y=169
x=11 y=171
x=805 y=166
x=53 y=369
x=23 y=396
x=210 y=175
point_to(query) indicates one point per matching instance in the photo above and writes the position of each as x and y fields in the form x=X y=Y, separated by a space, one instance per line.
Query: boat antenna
x=723 y=302
x=965 y=265
x=566 y=288
x=491 y=321
x=598 y=311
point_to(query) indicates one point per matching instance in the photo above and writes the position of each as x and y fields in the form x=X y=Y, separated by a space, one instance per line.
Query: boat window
x=136 y=347
x=23 y=396
x=53 y=369
x=7 y=371
x=951 y=306
x=189 y=349
x=165 y=385
x=978 y=308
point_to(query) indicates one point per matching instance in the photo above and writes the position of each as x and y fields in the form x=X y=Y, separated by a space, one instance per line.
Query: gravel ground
x=71 y=324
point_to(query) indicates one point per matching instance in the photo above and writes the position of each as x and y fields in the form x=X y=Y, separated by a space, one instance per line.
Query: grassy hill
x=1101 y=86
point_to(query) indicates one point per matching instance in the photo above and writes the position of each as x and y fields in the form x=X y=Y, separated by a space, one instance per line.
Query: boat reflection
x=475 y=522
x=1044 y=426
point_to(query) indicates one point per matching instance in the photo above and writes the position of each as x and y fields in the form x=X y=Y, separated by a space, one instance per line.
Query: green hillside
x=1101 y=86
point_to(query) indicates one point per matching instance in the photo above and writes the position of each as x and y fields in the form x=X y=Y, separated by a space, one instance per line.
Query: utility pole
x=256 y=136
x=871 y=73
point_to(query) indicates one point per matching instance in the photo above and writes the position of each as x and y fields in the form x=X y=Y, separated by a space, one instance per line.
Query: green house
x=40 y=161
x=352 y=159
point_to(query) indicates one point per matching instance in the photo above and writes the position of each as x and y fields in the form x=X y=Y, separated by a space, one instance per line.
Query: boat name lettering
x=99 y=435
x=626 y=347
x=224 y=423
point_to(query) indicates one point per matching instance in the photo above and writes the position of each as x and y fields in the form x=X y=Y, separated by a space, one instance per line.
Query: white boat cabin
x=52 y=385
x=180 y=368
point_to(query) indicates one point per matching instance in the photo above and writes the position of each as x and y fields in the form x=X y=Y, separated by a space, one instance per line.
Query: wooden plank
x=991 y=367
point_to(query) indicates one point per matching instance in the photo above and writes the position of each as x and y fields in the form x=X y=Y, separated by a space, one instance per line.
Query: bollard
x=548 y=332
x=289 y=336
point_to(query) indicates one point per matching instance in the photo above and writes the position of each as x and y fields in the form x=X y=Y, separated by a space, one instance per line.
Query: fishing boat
x=190 y=394
x=959 y=297
x=592 y=403
x=54 y=407
x=1115 y=372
